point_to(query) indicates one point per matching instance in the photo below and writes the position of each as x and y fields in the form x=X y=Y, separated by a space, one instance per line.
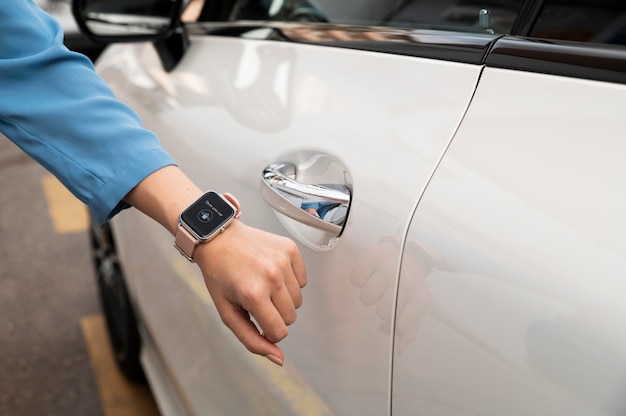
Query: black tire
x=115 y=301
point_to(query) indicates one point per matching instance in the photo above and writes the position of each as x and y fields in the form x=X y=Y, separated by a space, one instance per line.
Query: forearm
x=109 y=160
x=163 y=195
x=94 y=144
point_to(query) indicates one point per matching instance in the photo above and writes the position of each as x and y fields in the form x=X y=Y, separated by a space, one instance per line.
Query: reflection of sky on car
x=109 y=24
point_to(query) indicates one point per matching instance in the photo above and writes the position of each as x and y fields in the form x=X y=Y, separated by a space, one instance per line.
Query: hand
x=252 y=273
x=249 y=273
x=375 y=275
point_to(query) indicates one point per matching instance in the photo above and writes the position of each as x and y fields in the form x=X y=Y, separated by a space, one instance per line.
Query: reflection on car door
x=375 y=122
x=511 y=290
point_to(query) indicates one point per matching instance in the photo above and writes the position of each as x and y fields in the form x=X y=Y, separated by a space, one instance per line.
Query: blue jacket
x=58 y=110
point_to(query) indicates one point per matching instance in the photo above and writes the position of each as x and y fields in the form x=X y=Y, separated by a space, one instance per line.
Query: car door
x=360 y=99
x=511 y=290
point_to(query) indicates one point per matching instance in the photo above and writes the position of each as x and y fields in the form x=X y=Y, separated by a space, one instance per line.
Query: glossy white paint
x=230 y=108
x=523 y=311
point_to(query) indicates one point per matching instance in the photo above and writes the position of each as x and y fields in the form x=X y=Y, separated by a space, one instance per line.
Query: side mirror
x=107 y=21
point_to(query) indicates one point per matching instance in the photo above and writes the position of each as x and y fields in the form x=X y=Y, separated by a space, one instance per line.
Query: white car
x=469 y=161
x=61 y=10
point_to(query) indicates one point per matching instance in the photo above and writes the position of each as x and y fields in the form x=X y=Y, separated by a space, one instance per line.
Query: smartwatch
x=204 y=220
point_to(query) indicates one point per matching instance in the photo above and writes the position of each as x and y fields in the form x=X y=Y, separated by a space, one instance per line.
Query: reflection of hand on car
x=414 y=299
x=375 y=273
x=312 y=211
x=318 y=209
x=259 y=98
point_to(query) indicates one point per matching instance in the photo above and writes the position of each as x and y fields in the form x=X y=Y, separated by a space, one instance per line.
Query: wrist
x=163 y=195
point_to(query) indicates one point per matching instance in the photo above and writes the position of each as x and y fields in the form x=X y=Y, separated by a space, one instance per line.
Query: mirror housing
x=108 y=21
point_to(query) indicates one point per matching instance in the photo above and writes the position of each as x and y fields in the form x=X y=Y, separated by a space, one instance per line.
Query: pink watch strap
x=185 y=242
x=235 y=203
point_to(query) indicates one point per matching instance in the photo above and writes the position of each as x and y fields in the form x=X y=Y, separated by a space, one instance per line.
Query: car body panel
x=230 y=108
x=479 y=270
x=513 y=302
x=76 y=41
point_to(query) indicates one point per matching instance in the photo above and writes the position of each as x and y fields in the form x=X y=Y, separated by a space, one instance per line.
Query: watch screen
x=208 y=214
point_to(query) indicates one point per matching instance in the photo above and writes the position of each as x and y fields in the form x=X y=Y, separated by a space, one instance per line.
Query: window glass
x=491 y=16
x=598 y=21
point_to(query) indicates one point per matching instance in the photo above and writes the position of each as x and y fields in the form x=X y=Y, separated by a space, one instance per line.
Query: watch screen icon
x=205 y=215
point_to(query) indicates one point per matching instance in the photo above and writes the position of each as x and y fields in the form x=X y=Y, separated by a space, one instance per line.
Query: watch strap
x=185 y=242
x=231 y=198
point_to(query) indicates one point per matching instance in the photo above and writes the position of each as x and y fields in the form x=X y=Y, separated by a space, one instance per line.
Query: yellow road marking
x=292 y=385
x=68 y=214
x=295 y=389
x=119 y=396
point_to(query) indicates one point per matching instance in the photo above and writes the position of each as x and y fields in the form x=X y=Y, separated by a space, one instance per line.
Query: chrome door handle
x=284 y=193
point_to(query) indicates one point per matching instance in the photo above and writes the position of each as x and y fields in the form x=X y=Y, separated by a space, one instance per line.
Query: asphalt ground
x=54 y=353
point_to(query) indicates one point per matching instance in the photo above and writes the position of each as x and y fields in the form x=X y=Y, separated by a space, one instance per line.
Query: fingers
x=376 y=287
x=285 y=304
x=297 y=264
x=298 y=279
x=238 y=321
x=410 y=315
x=251 y=273
x=293 y=292
x=272 y=307
x=272 y=323
x=284 y=292
x=372 y=274
x=363 y=269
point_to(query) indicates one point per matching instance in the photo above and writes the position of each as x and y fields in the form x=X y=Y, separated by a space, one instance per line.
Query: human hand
x=254 y=274
x=249 y=273
x=375 y=275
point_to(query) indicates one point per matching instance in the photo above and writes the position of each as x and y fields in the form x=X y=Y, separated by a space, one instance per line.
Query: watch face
x=208 y=214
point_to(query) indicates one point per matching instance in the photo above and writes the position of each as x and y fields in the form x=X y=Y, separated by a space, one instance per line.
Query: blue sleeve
x=58 y=110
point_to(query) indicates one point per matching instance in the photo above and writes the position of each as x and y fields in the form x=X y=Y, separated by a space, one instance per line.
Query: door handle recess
x=298 y=200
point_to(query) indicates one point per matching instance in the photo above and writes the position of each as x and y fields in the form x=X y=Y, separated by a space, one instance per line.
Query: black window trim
x=564 y=58
x=571 y=59
x=471 y=48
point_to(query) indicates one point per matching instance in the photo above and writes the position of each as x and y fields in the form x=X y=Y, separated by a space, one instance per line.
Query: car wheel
x=115 y=301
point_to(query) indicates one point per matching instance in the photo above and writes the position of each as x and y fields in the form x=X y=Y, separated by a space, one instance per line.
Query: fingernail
x=274 y=359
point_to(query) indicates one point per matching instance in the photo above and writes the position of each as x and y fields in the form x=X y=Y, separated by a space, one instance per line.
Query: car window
x=491 y=16
x=597 y=21
x=62 y=12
